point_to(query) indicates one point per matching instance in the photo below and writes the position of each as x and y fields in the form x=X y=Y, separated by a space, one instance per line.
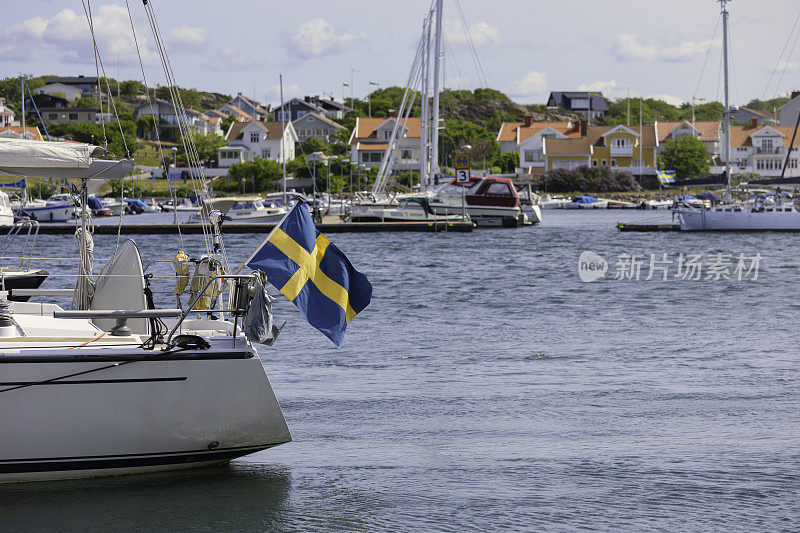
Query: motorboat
x=621 y=204
x=553 y=202
x=182 y=204
x=411 y=209
x=657 y=203
x=529 y=204
x=152 y=205
x=136 y=206
x=6 y=213
x=113 y=205
x=97 y=207
x=586 y=202
x=489 y=201
x=45 y=210
x=256 y=212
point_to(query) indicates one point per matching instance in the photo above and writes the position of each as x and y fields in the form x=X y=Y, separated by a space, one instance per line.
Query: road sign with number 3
x=462 y=175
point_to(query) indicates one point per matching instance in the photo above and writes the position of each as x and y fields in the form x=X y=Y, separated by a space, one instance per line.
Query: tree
x=263 y=173
x=508 y=162
x=207 y=146
x=686 y=156
x=225 y=123
x=457 y=133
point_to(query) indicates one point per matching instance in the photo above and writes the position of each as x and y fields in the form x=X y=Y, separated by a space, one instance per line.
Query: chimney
x=528 y=121
x=239 y=93
x=753 y=122
x=583 y=126
x=393 y=113
x=307 y=99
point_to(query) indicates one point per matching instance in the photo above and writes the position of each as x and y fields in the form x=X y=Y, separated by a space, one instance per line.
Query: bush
x=588 y=179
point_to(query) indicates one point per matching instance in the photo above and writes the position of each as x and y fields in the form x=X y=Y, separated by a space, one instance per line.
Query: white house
x=371 y=136
x=762 y=150
x=69 y=92
x=6 y=114
x=248 y=140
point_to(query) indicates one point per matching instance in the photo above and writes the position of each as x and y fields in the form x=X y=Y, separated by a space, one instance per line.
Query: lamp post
x=341 y=186
x=175 y=196
x=314 y=157
x=331 y=159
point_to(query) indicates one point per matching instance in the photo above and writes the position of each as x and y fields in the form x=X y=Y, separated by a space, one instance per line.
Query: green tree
x=225 y=124
x=686 y=156
x=507 y=162
x=261 y=173
x=207 y=146
x=457 y=133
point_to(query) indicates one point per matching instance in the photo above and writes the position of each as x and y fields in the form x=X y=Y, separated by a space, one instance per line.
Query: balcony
x=622 y=151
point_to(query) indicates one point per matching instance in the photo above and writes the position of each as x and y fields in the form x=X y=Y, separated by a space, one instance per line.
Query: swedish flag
x=666 y=176
x=313 y=273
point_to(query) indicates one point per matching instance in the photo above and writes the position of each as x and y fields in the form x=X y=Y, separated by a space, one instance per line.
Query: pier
x=621 y=226
x=67 y=228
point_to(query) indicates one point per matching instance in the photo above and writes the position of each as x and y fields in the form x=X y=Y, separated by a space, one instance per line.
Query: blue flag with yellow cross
x=313 y=273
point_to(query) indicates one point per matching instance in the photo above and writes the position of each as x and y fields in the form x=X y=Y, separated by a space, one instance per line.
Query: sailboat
x=115 y=385
x=777 y=214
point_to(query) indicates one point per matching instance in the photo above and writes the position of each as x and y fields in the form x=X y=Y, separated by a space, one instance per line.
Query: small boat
x=413 y=209
x=183 y=204
x=136 y=206
x=6 y=213
x=586 y=202
x=256 y=212
x=621 y=204
x=113 y=205
x=46 y=211
x=97 y=207
x=553 y=202
x=152 y=206
x=657 y=203
x=489 y=201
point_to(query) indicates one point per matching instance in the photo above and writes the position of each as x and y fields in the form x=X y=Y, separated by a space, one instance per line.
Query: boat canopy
x=584 y=200
x=94 y=203
x=707 y=196
x=24 y=157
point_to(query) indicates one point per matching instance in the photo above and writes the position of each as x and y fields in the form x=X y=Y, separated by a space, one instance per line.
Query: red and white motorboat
x=489 y=201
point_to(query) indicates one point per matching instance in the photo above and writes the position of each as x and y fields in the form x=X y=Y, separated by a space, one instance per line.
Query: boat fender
x=181 y=263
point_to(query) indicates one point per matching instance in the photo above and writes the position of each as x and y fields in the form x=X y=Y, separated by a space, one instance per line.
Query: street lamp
x=331 y=159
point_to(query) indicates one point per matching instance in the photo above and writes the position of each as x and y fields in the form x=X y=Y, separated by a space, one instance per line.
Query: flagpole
x=283 y=139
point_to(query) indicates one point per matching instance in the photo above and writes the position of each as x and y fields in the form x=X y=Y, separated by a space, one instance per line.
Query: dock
x=56 y=228
x=621 y=226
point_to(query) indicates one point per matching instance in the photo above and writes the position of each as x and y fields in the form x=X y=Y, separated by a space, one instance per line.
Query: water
x=486 y=387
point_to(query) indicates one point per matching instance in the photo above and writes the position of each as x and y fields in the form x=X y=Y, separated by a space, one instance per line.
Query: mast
x=22 y=86
x=437 y=60
x=283 y=141
x=724 y=7
x=425 y=106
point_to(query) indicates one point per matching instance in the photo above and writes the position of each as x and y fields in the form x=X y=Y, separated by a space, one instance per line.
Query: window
x=498 y=188
x=376 y=157
x=548 y=136
x=793 y=163
x=254 y=137
x=594 y=162
x=365 y=157
x=73 y=116
x=52 y=116
x=766 y=145
x=405 y=154
x=387 y=134
x=301 y=114
x=266 y=153
x=613 y=162
x=529 y=156
x=603 y=163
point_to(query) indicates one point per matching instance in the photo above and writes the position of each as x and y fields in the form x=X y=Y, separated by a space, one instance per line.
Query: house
x=297 y=108
x=743 y=115
x=61 y=90
x=371 y=136
x=787 y=113
x=763 y=149
x=15 y=132
x=248 y=140
x=317 y=126
x=708 y=132
x=63 y=115
x=250 y=106
x=526 y=139
x=44 y=101
x=86 y=84
x=211 y=126
x=237 y=113
x=620 y=147
x=6 y=114
x=332 y=108
x=591 y=104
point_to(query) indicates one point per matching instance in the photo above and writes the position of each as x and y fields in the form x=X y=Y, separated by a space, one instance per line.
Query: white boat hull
x=134 y=417
x=600 y=204
x=61 y=213
x=741 y=220
x=481 y=215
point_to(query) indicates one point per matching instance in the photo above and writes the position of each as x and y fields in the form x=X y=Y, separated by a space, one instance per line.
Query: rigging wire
x=90 y=20
x=786 y=62
x=705 y=61
x=780 y=57
x=471 y=46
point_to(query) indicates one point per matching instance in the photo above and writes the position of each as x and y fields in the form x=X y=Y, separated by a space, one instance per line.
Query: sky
x=527 y=48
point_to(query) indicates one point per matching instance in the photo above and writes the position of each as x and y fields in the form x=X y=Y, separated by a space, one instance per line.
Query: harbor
x=343 y=275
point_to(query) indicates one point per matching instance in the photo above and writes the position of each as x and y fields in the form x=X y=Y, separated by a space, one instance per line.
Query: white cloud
x=188 y=36
x=317 y=38
x=788 y=66
x=629 y=47
x=482 y=33
x=609 y=88
x=668 y=98
x=273 y=92
x=533 y=84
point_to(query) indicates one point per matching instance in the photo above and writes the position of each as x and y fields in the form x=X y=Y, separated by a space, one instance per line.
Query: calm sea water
x=486 y=387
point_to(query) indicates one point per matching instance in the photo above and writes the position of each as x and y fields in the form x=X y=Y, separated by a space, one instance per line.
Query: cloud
x=482 y=33
x=533 y=84
x=609 y=88
x=629 y=47
x=273 y=92
x=318 y=38
x=187 y=36
x=668 y=98
x=788 y=66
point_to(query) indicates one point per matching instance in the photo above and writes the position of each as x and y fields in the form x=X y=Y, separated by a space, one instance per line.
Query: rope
x=87 y=342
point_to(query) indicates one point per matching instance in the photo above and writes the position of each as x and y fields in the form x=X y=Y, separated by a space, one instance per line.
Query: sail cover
x=25 y=153
x=23 y=157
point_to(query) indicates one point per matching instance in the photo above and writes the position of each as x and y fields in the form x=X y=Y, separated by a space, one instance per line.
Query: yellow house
x=620 y=147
